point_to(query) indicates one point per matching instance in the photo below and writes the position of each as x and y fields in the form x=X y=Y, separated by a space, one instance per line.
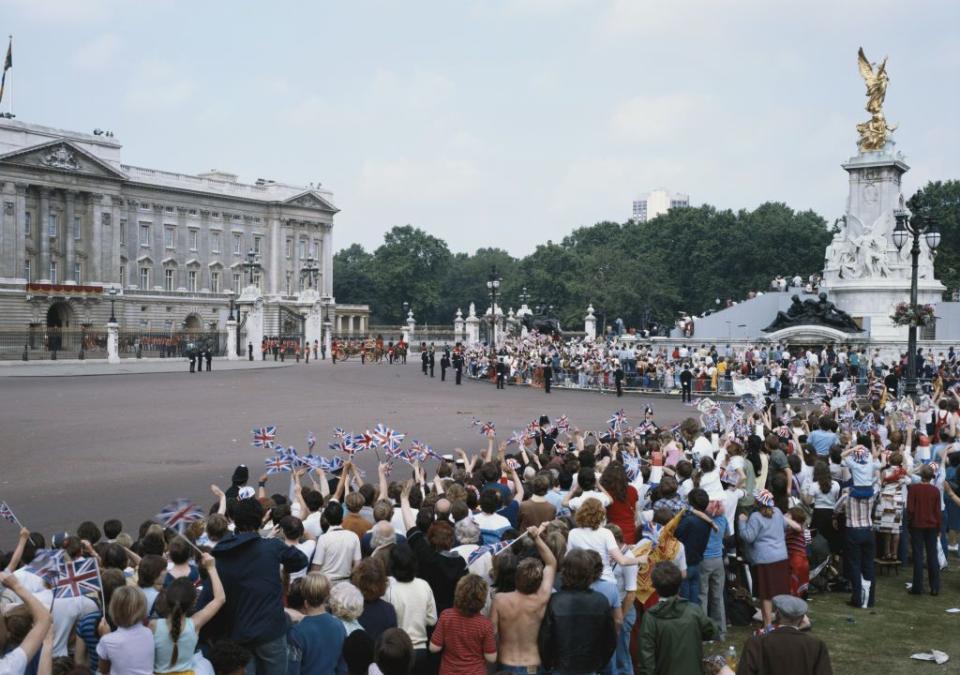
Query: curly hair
x=470 y=595
x=614 y=480
x=346 y=601
x=371 y=578
x=591 y=514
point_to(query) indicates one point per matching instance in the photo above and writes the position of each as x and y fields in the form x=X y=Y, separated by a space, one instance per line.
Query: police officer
x=618 y=377
x=458 y=365
x=433 y=359
x=208 y=355
x=424 y=357
x=547 y=375
x=501 y=373
x=686 y=384
x=193 y=360
x=444 y=364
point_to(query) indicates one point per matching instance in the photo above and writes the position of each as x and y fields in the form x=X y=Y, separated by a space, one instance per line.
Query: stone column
x=313 y=327
x=113 y=354
x=232 y=340
x=458 y=326
x=411 y=331
x=94 y=251
x=44 y=272
x=20 y=215
x=473 y=326
x=327 y=255
x=70 y=257
x=8 y=230
x=276 y=255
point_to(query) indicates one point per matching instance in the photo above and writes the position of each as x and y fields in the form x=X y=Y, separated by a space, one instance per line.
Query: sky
x=500 y=123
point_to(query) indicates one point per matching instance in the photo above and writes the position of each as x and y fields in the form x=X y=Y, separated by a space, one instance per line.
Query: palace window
x=144 y=234
x=77 y=276
x=26 y=271
x=76 y=227
x=257 y=244
x=52 y=224
x=123 y=232
x=214 y=242
x=53 y=271
x=194 y=240
x=28 y=223
x=144 y=278
x=237 y=244
x=302 y=249
x=169 y=237
x=215 y=282
x=289 y=247
x=169 y=279
x=236 y=281
x=123 y=275
x=192 y=281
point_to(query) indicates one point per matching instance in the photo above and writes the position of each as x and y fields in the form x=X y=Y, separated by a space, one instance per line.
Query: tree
x=938 y=204
x=410 y=266
x=353 y=281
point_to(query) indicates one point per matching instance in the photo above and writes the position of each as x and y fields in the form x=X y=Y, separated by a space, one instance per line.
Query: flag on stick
x=7 y=65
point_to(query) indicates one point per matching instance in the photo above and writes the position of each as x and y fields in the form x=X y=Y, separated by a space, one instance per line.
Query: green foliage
x=938 y=204
x=681 y=261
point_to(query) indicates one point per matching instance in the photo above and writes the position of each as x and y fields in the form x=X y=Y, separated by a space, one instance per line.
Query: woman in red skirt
x=763 y=533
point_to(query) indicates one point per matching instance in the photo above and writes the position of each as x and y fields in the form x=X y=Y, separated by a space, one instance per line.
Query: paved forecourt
x=76 y=448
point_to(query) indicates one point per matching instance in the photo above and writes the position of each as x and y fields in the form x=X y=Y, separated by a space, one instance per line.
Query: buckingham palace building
x=83 y=235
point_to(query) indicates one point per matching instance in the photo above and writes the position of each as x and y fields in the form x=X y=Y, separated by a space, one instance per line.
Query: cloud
x=97 y=54
x=418 y=181
x=158 y=86
x=654 y=119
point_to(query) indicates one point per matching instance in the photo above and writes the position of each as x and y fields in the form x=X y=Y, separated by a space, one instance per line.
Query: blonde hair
x=315 y=588
x=128 y=606
x=346 y=601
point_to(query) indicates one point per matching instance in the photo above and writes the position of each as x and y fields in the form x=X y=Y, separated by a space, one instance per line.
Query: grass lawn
x=881 y=639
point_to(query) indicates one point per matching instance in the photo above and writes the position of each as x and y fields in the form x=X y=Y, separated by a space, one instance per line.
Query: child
x=128 y=649
x=175 y=635
x=797 y=537
x=180 y=564
x=863 y=466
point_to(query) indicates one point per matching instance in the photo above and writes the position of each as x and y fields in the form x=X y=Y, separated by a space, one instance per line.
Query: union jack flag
x=331 y=465
x=311 y=441
x=77 y=578
x=396 y=452
x=512 y=463
x=618 y=420
x=393 y=440
x=264 y=437
x=296 y=461
x=631 y=466
x=563 y=424
x=419 y=451
x=517 y=437
x=339 y=434
x=46 y=564
x=7 y=514
x=487 y=428
x=492 y=549
x=278 y=464
x=364 y=441
x=475 y=422
x=379 y=434
x=177 y=515
x=782 y=431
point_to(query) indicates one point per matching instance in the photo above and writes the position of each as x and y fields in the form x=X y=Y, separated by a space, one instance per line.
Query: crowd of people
x=776 y=370
x=619 y=551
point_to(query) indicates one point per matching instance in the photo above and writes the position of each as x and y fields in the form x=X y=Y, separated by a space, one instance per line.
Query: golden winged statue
x=874 y=133
x=876 y=81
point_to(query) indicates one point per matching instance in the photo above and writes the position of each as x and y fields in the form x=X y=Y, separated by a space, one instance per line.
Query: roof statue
x=874 y=132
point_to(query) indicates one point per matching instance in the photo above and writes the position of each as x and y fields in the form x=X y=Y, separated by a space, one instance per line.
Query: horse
x=545 y=325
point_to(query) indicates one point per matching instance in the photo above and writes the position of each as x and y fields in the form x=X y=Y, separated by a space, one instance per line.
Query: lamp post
x=251 y=265
x=113 y=298
x=524 y=297
x=908 y=228
x=493 y=285
x=233 y=297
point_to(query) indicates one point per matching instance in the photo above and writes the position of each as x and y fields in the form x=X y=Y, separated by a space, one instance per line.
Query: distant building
x=657 y=202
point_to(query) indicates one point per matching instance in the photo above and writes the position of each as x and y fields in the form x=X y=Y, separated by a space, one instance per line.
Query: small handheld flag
x=278 y=464
x=311 y=441
x=7 y=514
x=77 y=578
x=178 y=515
x=264 y=437
x=46 y=564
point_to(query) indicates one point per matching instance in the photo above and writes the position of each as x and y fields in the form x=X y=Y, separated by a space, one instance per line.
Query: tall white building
x=656 y=203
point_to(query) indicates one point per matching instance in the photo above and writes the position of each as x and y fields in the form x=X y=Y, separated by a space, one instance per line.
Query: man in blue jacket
x=249 y=567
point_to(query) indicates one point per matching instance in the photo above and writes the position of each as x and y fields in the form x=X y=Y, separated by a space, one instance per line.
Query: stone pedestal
x=328 y=337
x=459 y=327
x=590 y=324
x=232 y=340
x=472 y=324
x=113 y=339
x=251 y=299
x=410 y=328
x=864 y=273
x=313 y=328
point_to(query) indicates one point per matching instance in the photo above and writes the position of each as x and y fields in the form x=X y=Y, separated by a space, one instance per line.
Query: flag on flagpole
x=177 y=515
x=7 y=65
x=7 y=514
x=78 y=577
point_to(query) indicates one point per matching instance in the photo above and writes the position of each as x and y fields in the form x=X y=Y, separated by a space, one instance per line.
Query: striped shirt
x=858 y=511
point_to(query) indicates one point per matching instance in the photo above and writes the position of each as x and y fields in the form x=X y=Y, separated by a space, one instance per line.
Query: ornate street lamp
x=493 y=286
x=251 y=265
x=310 y=271
x=113 y=298
x=906 y=229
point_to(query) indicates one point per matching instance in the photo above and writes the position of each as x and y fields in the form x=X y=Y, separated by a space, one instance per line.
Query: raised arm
x=219 y=494
x=18 y=551
x=409 y=520
x=41 y=617
x=382 y=484
x=201 y=617
x=546 y=555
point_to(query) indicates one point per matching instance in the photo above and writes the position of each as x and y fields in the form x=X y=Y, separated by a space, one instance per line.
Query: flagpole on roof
x=10 y=50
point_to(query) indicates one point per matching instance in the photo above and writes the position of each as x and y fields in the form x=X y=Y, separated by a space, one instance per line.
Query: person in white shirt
x=413 y=600
x=337 y=550
x=591 y=536
x=292 y=529
x=586 y=486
